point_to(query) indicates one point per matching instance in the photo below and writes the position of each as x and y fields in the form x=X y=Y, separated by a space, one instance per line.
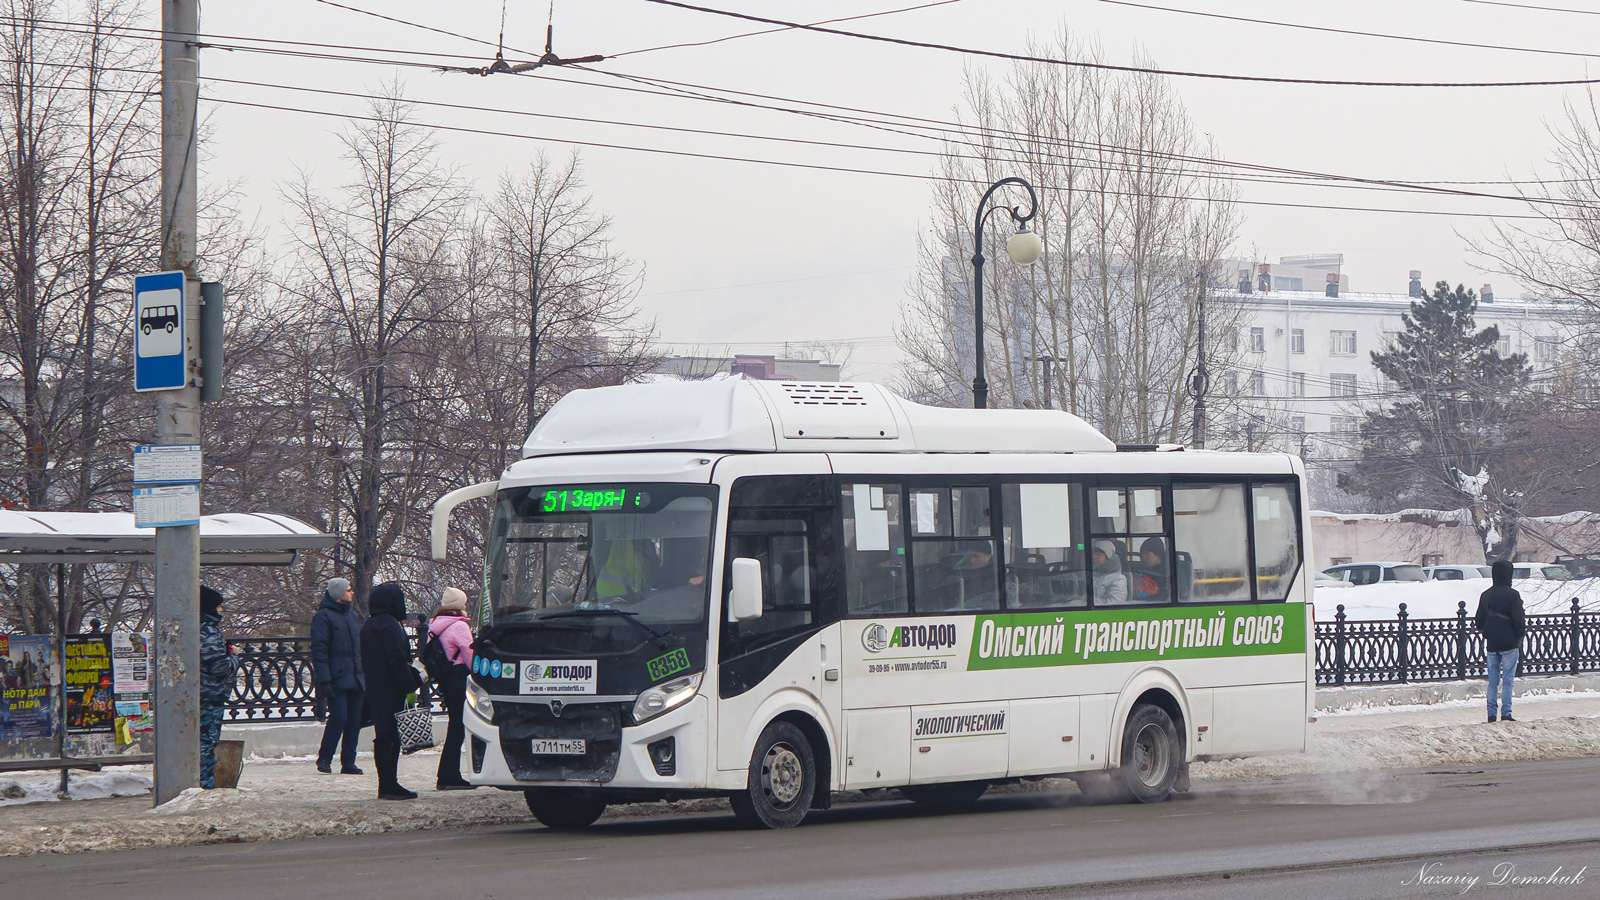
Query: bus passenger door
x=787 y=523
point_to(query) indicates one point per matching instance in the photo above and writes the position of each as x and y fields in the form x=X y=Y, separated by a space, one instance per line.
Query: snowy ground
x=286 y=798
x=1438 y=599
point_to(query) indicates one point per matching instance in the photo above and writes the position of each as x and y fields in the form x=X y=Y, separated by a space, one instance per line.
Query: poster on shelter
x=131 y=659
x=88 y=682
x=29 y=674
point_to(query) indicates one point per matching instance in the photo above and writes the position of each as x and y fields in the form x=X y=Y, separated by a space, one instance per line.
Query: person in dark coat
x=1501 y=622
x=386 y=659
x=336 y=667
x=219 y=669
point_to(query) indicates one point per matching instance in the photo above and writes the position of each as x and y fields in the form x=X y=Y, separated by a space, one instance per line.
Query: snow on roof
x=742 y=415
x=1451 y=516
x=45 y=536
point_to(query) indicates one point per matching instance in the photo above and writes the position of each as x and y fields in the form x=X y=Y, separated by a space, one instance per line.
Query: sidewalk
x=280 y=799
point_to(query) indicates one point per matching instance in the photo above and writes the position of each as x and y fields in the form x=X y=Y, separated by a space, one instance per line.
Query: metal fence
x=275 y=682
x=276 y=685
x=1408 y=650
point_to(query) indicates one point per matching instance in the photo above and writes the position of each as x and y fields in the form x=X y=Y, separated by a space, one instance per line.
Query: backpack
x=435 y=659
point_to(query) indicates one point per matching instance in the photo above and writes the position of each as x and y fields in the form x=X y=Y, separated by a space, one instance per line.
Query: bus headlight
x=668 y=695
x=478 y=699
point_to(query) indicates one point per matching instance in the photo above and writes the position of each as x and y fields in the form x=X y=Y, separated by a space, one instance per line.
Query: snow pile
x=1438 y=599
x=1420 y=745
x=42 y=787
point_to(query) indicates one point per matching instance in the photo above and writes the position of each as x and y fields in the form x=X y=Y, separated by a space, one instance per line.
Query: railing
x=1409 y=650
x=276 y=685
x=275 y=682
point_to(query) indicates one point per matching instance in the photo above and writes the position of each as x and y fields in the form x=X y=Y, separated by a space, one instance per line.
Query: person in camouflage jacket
x=218 y=669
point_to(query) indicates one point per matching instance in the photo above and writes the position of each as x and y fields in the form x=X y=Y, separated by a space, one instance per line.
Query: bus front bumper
x=679 y=763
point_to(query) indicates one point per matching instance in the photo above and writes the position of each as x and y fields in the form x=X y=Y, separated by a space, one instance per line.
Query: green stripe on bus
x=1073 y=638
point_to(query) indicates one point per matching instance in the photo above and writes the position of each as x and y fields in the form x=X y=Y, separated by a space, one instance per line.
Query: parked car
x=1374 y=572
x=1540 y=572
x=1456 y=573
x=1324 y=580
x=1580 y=566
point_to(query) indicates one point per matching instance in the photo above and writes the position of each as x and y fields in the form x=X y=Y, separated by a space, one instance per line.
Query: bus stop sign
x=160 y=358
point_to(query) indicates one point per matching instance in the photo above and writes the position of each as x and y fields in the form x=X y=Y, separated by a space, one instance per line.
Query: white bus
x=774 y=591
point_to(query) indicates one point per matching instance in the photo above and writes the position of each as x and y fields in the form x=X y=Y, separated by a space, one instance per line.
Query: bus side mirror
x=744 y=599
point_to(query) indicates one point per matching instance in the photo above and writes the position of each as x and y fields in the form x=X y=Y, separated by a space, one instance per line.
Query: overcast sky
x=747 y=256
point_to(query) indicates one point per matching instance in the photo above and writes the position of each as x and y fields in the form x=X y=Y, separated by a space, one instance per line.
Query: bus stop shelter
x=62 y=538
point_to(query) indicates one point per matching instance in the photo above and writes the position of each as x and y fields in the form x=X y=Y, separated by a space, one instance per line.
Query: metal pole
x=177 y=563
x=980 y=385
x=1201 y=382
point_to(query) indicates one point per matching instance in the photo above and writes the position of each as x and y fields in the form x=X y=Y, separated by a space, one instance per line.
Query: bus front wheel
x=783 y=779
x=1150 y=755
x=563 y=810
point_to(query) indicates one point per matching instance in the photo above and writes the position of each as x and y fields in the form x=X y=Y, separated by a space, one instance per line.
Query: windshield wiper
x=656 y=637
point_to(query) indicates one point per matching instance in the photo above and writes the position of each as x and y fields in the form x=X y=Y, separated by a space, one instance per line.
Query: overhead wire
x=1340 y=182
x=851 y=169
x=943 y=127
x=1347 y=31
x=1111 y=67
x=1352 y=180
x=732 y=37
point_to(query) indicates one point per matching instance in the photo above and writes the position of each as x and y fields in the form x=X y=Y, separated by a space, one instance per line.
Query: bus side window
x=786 y=523
x=874 y=549
x=1210 y=542
x=1277 y=515
x=1046 y=566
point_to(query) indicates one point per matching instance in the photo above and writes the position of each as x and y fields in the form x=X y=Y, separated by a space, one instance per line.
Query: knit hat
x=1106 y=547
x=210 y=601
x=454 y=600
x=336 y=588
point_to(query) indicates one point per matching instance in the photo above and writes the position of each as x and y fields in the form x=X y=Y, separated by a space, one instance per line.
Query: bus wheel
x=1150 y=760
x=563 y=810
x=945 y=796
x=783 y=779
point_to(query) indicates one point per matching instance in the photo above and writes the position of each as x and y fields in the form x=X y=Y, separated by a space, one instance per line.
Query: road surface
x=1417 y=833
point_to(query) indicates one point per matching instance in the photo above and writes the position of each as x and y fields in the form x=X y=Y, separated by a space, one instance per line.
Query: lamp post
x=1200 y=379
x=1024 y=248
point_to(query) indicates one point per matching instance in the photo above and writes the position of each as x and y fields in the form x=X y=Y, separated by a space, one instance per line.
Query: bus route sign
x=160 y=348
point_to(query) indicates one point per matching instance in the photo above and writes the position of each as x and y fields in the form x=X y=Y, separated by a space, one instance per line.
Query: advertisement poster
x=88 y=677
x=29 y=674
x=131 y=658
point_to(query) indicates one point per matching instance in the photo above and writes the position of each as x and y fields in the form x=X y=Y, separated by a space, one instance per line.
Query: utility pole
x=177 y=565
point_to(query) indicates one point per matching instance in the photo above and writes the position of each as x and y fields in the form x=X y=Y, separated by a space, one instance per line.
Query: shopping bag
x=416 y=728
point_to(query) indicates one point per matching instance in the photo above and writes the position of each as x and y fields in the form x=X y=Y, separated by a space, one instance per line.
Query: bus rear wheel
x=783 y=779
x=563 y=810
x=945 y=796
x=1151 y=759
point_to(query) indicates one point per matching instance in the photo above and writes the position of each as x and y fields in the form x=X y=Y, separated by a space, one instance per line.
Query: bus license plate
x=572 y=747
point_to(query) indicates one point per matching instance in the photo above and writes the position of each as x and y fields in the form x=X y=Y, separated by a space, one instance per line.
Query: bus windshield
x=571 y=551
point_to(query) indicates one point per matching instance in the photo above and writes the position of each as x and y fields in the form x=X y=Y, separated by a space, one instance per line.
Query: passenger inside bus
x=1110 y=584
x=1148 y=579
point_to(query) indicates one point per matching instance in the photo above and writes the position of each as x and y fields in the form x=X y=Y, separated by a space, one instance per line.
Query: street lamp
x=1025 y=247
x=1200 y=379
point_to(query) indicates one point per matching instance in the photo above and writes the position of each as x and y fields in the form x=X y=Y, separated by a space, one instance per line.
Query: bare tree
x=561 y=280
x=373 y=269
x=77 y=187
x=1104 y=325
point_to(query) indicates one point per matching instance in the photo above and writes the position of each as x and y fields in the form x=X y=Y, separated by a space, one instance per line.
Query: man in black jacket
x=386 y=659
x=336 y=666
x=1501 y=623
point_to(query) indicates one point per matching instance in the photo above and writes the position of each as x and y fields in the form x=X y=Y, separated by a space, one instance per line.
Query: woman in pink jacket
x=450 y=626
